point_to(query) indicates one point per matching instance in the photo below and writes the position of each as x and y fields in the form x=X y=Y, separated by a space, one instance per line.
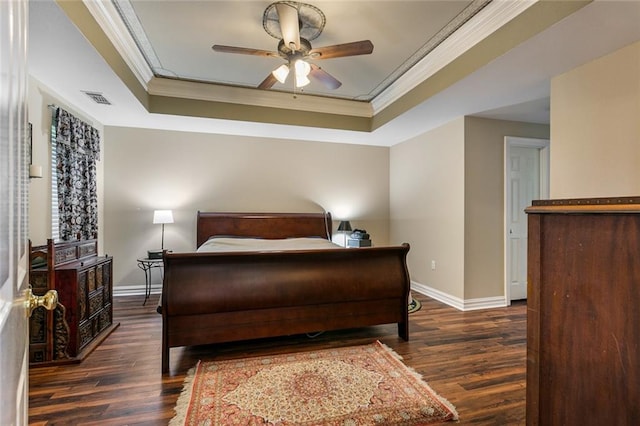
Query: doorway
x=526 y=176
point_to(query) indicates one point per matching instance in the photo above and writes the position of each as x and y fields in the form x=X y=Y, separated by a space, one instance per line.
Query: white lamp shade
x=302 y=68
x=162 y=216
x=302 y=71
x=281 y=73
x=302 y=81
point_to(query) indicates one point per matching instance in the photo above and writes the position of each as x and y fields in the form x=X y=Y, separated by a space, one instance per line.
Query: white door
x=14 y=184
x=526 y=180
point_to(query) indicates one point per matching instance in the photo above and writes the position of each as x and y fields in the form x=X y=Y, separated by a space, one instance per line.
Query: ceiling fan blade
x=363 y=47
x=324 y=77
x=289 y=24
x=243 y=50
x=268 y=82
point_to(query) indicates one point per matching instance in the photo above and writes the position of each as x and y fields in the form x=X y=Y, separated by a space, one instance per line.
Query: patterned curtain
x=78 y=146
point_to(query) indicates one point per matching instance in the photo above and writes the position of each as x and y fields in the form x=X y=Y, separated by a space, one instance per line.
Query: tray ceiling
x=432 y=61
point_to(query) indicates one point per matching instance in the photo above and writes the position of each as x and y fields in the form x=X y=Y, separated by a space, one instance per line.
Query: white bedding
x=225 y=244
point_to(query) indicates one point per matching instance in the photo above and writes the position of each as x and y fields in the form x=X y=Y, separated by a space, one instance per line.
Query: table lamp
x=344 y=227
x=162 y=217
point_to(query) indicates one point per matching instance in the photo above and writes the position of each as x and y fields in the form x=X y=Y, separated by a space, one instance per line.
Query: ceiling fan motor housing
x=311 y=20
x=287 y=53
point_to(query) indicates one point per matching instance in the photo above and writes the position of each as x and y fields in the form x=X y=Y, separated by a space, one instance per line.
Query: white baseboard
x=135 y=290
x=456 y=302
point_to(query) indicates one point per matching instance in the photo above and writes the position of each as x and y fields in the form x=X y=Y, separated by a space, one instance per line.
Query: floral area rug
x=356 y=385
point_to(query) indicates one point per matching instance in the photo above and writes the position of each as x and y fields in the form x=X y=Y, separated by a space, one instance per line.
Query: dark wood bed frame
x=222 y=297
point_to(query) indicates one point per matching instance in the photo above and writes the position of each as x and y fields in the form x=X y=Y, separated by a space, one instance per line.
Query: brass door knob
x=49 y=301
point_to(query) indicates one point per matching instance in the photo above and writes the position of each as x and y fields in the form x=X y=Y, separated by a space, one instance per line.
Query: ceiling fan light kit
x=295 y=24
x=281 y=73
x=302 y=71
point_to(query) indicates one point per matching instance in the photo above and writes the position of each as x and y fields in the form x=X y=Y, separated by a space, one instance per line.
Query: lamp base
x=154 y=254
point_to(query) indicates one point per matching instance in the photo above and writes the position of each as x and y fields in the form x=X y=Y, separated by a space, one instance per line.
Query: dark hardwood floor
x=474 y=359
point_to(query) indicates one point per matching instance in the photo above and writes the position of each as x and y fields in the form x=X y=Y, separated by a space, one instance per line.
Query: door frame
x=543 y=147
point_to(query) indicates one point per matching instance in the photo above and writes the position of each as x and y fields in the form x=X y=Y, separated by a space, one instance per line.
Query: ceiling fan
x=296 y=24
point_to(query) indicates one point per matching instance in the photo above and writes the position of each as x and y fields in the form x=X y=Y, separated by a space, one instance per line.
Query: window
x=75 y=148
x=55 y=215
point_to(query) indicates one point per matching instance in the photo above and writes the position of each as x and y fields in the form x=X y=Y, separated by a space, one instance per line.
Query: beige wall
x=484 y=201
x=447 y=201
x=443 y=191
x=40 y=97
x=595 y=116
x=427 y=205
x=142 y=170
x=186 y=172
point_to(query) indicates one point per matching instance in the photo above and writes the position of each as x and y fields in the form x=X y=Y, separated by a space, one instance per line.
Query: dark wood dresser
x=84 y=316
x=583 y=312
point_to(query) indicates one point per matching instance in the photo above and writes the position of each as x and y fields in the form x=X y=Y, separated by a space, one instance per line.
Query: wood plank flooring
x=474 y=359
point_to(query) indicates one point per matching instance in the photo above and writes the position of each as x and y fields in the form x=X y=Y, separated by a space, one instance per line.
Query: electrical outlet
x=433 y=265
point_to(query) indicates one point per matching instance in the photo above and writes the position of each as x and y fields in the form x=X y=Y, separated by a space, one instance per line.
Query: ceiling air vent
x=98 y=98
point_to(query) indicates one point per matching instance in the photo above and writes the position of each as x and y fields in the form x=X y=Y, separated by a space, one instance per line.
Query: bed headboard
x=263 y=225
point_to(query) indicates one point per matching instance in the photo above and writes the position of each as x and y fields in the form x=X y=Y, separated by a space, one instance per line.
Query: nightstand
x=147 y=264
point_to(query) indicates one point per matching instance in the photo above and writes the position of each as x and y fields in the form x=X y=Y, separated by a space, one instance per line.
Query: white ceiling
x=186 y=52
x=514 y=86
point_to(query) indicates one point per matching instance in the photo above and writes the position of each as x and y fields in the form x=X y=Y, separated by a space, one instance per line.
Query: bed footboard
x=221 y=297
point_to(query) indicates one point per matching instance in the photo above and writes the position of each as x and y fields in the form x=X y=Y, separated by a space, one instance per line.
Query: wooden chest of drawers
x=84 y=316
x=583 y=315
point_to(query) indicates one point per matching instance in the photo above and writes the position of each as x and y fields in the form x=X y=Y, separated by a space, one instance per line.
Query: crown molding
x=261 y=98
x=109 y=20
x=484 y=23
x=492 y=17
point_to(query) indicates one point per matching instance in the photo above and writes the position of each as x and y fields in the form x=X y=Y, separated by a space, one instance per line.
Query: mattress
x=232 y=244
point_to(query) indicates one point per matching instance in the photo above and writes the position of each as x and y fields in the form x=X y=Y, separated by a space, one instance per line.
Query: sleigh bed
x=246 y=293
